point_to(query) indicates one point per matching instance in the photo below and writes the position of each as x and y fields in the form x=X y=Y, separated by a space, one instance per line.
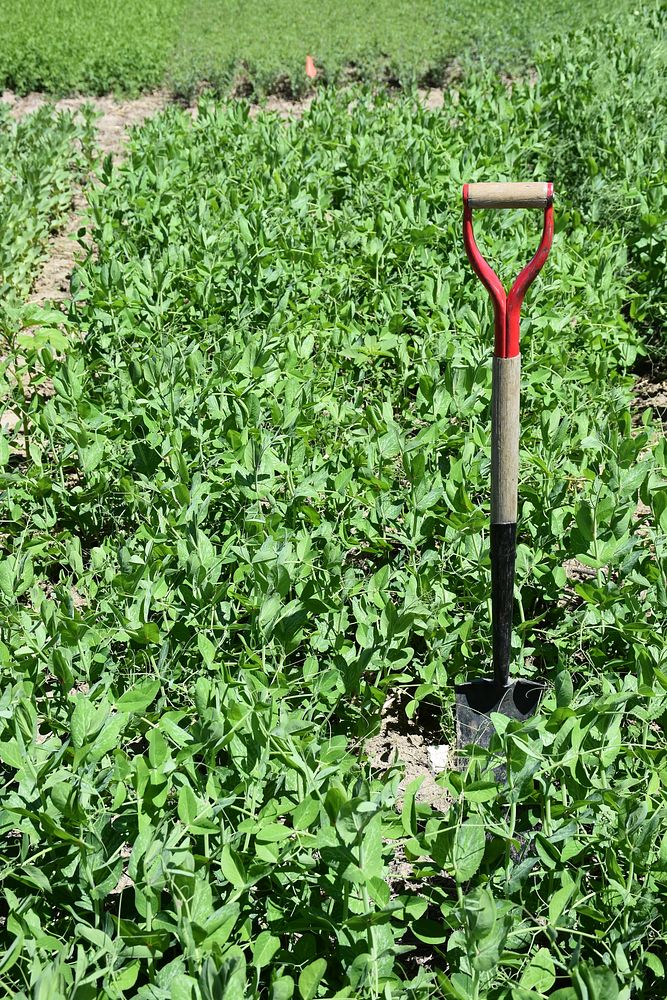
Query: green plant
x=255 y=507
x=257 y=47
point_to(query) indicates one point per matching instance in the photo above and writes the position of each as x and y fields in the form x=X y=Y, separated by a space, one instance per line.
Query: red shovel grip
x=507 y=307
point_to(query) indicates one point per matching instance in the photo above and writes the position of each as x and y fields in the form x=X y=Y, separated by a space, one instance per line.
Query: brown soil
x=52 y=282
x=407 y=742
x=651 y=394
x=116 y=117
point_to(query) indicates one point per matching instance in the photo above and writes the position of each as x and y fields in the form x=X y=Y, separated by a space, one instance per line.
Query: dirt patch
x=417 y=745
x=432 y=99
x=116 y=116
x=52 y=282
x=651 y=394
x=577 y=571
x=283 y=107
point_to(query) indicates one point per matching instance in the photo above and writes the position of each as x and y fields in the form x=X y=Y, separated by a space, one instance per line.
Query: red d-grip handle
x=507 y=308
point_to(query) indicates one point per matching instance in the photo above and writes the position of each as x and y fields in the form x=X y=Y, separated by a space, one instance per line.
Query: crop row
x=41 y=158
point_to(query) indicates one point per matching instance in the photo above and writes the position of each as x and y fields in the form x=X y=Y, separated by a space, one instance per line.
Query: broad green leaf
x=12 y=754
x=282 y=988
x=264 y=948
x=467 y=849
x=540 y=973
x=310 y=978
x=232 y=867
x=7 y=576
x=206 y=648
x=564 y=689
x=86 y=720
x=139 y=697
x=272 y=833
x=655 y=964
x=306 y=813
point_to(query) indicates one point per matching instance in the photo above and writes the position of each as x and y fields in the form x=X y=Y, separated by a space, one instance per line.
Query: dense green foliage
x=41 y=160
x=606 y=125
x=256 y=46
x=92 y=46
x=256 y=505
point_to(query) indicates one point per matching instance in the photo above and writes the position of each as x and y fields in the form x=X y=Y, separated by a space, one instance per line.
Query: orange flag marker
x=311 y=69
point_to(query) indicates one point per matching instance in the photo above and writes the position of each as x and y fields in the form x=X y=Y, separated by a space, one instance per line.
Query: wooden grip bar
x=524 y=194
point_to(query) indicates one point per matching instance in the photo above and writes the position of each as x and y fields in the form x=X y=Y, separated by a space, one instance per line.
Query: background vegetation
x=246 y=502
x=252 y=46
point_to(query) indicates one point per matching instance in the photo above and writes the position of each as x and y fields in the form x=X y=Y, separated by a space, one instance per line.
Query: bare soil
x=410 y=743
x=116 y=117
x=651 y=394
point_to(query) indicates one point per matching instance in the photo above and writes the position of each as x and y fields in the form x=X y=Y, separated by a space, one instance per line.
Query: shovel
x=516 y=699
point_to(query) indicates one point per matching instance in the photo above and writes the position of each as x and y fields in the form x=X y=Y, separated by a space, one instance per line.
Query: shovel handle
x=507 y=306
x=505 y=396
x=524 y=194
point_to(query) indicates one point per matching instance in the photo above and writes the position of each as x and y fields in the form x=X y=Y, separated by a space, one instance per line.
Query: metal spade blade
x=476 y=700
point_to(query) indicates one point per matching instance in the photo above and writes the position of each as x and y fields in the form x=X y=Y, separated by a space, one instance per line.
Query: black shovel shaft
x=504 y=488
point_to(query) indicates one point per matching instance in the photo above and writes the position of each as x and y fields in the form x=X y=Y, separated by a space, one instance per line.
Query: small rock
x=439 y=758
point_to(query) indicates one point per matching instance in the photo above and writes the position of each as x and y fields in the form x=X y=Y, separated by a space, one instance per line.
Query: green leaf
x=35 y=315
x=86 y=720
x=206 y=648
x=655 y=964
x=126 y=977
x=12 y=754
x=430 y=931
x=282 y=988
x=540 y=973
x=564 y=689
x=232 y=867
x=409 y=810
x=272 y=833
x=468 y=850
x=264 y=949
x=7 y=576
x=192 y=812
x=310 y=978
x=600 y=981
x=139 y=696
x=147 y=634
x=584 y=517
x=559 y=901
x=306 y=813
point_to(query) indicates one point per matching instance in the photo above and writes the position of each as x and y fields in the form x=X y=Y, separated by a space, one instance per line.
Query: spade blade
x=476 y=700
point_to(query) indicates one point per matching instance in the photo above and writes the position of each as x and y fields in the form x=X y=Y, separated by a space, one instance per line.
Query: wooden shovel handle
x=524 y=194
x=504 y=485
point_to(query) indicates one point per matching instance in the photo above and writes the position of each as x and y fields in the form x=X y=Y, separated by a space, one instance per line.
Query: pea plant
x=252 y=517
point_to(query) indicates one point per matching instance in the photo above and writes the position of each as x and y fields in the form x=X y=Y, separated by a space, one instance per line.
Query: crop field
x=245 y=473
x=255 y=46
